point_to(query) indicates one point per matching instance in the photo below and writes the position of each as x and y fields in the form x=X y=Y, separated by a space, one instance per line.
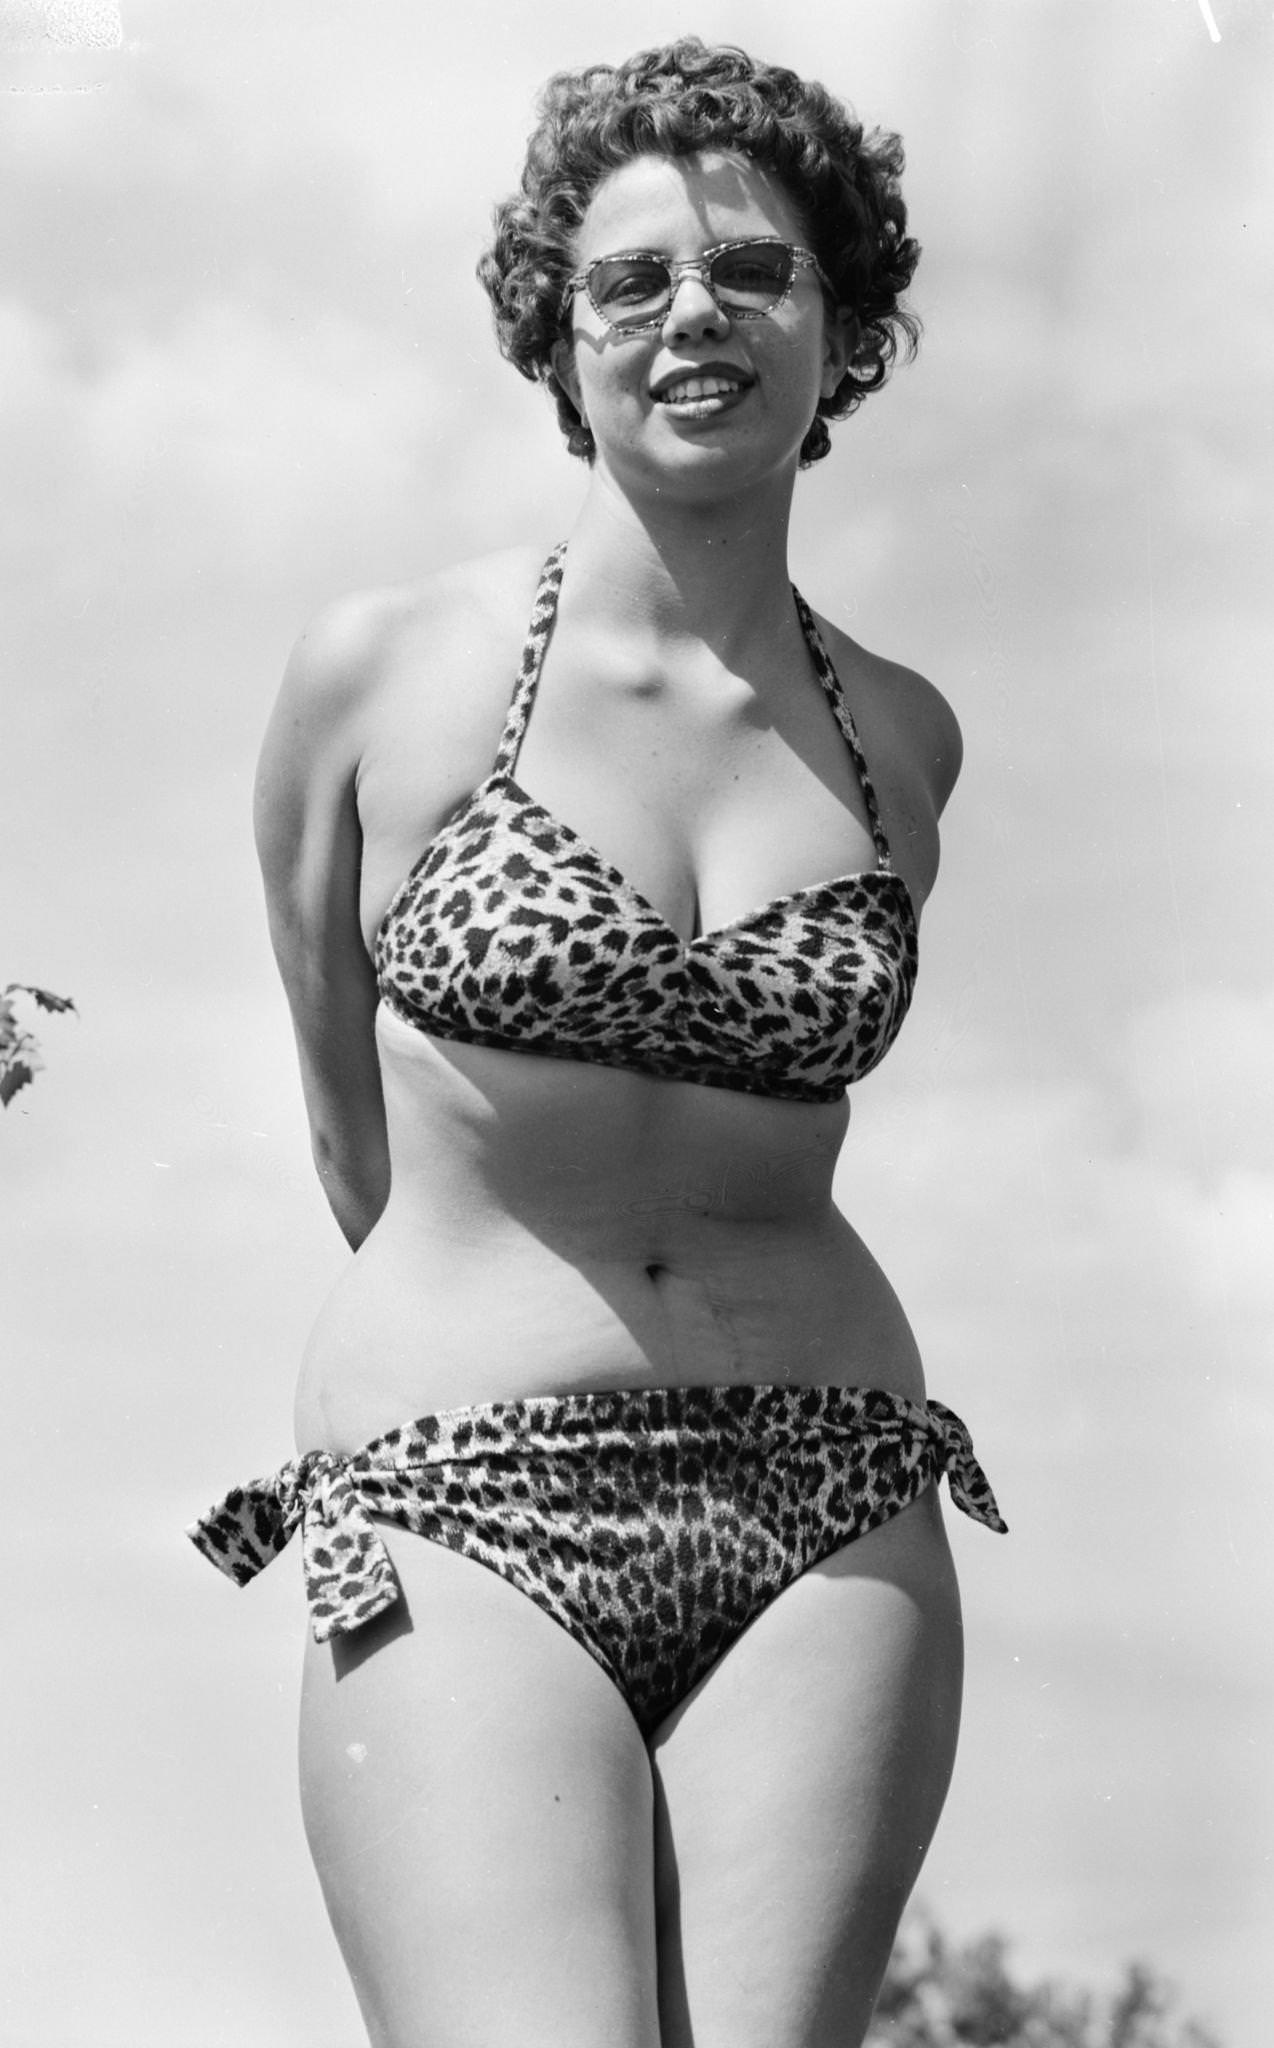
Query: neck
x=715 y=573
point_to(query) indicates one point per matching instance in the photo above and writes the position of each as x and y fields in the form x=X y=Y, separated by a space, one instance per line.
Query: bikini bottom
x=653 y=1525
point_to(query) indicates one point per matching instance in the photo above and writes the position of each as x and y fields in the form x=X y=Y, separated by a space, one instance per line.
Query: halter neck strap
x=543 y=613
x=831 y=682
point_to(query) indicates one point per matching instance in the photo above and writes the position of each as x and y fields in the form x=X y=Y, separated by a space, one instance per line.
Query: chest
x=710 y=795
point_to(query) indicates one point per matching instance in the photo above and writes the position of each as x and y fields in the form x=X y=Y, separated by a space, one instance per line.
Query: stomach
x=555 y=1227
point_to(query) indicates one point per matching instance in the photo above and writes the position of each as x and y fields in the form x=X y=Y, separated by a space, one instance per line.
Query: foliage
x=20 y=1057
x=940 y=1995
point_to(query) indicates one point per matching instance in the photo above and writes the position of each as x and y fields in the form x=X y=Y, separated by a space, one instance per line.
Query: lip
x=671 y=378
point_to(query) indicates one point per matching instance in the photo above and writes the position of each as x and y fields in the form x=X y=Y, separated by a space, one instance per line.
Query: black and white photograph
x=636 y=1024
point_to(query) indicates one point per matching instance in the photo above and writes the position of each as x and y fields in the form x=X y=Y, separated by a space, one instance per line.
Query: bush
x=939 y=1995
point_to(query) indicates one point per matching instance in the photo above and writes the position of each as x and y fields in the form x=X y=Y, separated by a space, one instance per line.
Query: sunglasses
x=745 y=280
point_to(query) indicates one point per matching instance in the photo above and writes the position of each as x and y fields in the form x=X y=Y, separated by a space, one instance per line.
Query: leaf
x=19 y=1050
x=43 y=996
x=14 y=1074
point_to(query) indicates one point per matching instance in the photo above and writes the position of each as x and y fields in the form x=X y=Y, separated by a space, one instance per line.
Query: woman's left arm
x=919 y=737
x=936 y=737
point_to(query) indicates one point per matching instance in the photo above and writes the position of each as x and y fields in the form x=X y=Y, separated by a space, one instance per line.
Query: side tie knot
x=968 y=1484
x=348 y=1575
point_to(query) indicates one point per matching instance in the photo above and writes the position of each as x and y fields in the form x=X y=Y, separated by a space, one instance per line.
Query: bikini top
x=512 y=931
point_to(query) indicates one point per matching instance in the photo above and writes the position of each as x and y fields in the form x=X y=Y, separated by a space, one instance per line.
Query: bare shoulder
x=414 y=670
x=912 y=745
x=349 y=655
x=926 y=722
x=390 y=715
x=915 y=732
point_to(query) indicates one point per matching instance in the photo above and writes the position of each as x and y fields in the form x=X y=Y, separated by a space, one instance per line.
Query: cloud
x=211 y=450
x=1095 y=1283
x=1197 y=1066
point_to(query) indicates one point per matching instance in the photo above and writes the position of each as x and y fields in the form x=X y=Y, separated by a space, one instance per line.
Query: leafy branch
x=20 y=1058
x=939 y=1994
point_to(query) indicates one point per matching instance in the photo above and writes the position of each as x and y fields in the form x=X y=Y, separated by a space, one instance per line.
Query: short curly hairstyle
x=677 y=101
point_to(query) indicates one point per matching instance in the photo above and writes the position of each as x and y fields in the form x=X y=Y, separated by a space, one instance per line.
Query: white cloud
x=1198 y=1067
x=1100 y=1294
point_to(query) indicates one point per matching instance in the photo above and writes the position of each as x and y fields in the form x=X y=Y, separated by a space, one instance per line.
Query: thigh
x=478 y=1804
x=797 y=1790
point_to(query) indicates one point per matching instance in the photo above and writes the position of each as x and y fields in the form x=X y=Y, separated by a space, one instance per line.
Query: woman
x=664 y=1771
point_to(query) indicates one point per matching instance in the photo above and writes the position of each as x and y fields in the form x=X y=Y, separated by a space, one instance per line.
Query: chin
x=702 y=462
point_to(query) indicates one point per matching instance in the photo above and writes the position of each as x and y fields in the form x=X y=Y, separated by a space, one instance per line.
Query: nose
x=693 y=311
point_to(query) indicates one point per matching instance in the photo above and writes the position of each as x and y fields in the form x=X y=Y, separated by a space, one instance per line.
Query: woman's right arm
x=309 y=841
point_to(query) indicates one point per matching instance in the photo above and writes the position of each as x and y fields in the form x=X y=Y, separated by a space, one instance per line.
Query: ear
x=841 y=337
x=562 y=358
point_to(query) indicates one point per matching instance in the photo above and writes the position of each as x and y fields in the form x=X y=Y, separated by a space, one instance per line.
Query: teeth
x=698 y=387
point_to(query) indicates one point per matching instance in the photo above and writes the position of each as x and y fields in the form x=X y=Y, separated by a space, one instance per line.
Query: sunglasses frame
x=802 y=259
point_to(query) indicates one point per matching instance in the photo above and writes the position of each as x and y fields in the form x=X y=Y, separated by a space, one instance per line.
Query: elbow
x=355 y=1181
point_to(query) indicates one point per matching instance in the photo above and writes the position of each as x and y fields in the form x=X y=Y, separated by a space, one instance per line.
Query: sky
x=246 y=368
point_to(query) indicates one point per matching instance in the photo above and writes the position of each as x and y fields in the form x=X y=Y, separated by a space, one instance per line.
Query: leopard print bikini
x=652 y=1525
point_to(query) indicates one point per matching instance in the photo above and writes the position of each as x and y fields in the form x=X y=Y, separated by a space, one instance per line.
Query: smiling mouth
x=700 y=390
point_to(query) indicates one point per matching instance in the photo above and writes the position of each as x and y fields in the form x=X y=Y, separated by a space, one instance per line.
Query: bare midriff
x=558 y=1227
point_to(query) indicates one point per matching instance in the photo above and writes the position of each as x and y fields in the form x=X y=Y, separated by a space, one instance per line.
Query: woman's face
x=704 y=398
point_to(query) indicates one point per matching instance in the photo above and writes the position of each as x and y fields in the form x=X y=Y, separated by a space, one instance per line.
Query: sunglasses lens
x=630 y=290
x=752 y=278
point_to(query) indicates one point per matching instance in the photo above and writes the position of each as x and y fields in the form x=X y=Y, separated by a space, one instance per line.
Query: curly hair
x=678 y=101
